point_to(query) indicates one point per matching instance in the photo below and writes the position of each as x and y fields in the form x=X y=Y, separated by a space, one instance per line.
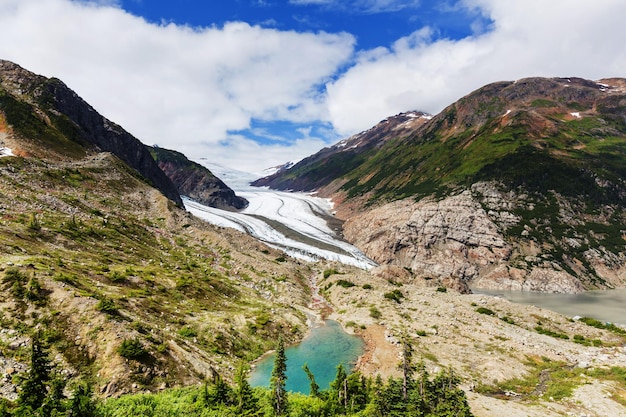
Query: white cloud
x=527 y=38
x=191 y=88
x=362 y=6
x=174 y=85
x=245 y=154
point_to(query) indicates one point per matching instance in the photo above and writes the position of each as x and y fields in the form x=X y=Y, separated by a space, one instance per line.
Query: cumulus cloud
x=526 y=38
x=198 y=89
x=174 y=85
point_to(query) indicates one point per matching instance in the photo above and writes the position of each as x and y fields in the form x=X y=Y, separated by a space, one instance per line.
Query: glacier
x=289 y=221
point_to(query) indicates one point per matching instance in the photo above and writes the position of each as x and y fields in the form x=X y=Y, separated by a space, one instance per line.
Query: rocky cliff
x=195 y=181
x=519 y=185
x=50 y=120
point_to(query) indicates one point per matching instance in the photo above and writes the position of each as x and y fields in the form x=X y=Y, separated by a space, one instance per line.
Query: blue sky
x=251 y=84
x=373 y=23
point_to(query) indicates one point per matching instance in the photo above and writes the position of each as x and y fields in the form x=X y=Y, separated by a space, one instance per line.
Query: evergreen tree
x=278 y=380
x=220 y=392
x=406 y=366
x=314 y=388
x=33 y=389
x=246 y=402
x=82 y=403
x=338 y=394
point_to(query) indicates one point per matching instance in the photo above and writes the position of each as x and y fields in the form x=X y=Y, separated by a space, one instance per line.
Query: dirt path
x=381 y=355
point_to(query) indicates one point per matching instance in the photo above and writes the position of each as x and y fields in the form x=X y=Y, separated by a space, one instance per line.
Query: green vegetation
x=554 y=381
x=605 y=326
x=552 y=333
x=132 y=349
x=416 y=393
x=395 y=295
x=375 y=313
x=345 y=283
x=329 y=272
x=485 y=310
x=41 y=390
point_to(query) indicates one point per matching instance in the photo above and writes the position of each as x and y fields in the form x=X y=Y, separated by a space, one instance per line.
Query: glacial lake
x=323 y=350
x=605 y=305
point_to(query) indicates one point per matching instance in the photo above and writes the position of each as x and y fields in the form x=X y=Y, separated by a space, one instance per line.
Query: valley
x=143 y=295
x=296 y=223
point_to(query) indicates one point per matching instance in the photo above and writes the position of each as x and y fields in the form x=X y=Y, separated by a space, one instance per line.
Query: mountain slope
x=96 y=258
x=52 y=121
x=537 y=164
x=195 y=181
x=339 y=160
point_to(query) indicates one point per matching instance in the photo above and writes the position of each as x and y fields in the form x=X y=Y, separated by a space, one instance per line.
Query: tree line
x=414 y=393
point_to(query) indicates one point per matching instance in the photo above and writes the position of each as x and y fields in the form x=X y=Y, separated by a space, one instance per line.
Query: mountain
x=340 y=159
x=132 y=295
x=195 y=181
x=129 y=291
x=54 y=122
x=518 y=185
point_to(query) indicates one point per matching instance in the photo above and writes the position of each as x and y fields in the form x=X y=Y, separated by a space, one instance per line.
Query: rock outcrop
x=467 y=237
x=195 y=181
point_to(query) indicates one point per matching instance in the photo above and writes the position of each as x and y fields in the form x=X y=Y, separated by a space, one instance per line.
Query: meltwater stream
x=323 y=350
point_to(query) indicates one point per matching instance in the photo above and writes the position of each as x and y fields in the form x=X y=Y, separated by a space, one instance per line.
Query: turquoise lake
x=326 y=347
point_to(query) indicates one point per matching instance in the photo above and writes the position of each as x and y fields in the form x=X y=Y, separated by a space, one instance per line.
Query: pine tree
x=278 y=380
x=33 y=389
x=82 y=403
x=406 y=366
x=315 y=388
x=246 y=402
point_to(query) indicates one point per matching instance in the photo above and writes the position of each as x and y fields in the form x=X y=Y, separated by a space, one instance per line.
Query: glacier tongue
x=291 y=222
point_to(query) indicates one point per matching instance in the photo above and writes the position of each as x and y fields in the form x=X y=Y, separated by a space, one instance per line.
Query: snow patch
x=6 y=152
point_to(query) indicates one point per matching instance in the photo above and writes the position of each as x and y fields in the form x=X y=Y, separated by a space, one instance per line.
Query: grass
x=89 y=232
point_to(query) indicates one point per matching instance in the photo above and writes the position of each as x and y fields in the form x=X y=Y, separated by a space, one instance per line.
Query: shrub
x=552 y=333
x=132 y=349
x=375 y=313
x=188 y=331
x=485 y=310
x=367 y=287
x=395 y=295
x=442 y=289
x=330 y=272
x=345 y=283
x=106 y=305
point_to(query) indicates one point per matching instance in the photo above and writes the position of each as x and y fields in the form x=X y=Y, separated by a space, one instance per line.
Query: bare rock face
x=459 y=240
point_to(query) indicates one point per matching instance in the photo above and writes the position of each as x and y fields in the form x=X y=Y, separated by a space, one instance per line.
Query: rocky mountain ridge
x=195 y=181
x=518 y=185
x=94 y=259
x=335 y=161
x=44 y=111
